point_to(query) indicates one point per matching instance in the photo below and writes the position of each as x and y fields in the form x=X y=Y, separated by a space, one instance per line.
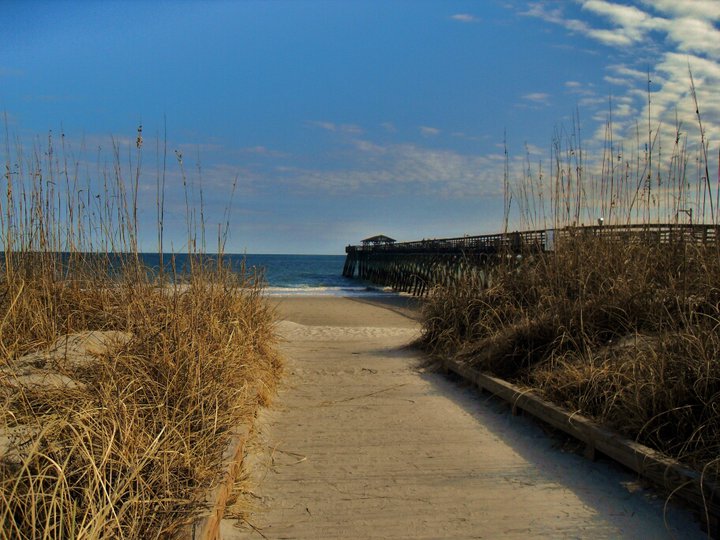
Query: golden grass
x=626 y=332
x=122 y=441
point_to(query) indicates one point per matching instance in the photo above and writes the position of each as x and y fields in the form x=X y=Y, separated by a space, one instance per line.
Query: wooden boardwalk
x=363 y=442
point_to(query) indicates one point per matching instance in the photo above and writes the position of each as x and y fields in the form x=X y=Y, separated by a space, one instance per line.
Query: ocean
x=293 y=275
x=310 y=275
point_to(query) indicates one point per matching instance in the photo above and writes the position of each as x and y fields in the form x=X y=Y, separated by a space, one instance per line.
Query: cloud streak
x=673 y=36
x=538 y=98
x=351 y=129
x=464 y=18
x=400 y=169
x=427 y=131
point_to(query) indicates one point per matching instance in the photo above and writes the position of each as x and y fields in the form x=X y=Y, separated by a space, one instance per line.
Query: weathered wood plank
x=207 y=526
x=664 y=471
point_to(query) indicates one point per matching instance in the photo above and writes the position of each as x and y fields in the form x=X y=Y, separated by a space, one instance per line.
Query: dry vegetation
x=626 y=332
x=118 y=389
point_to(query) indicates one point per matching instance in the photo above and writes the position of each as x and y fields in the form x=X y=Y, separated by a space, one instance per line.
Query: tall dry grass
x=624 y=330
x=122 y=441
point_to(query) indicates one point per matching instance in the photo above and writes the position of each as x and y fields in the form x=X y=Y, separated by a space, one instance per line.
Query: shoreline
x=399 y=310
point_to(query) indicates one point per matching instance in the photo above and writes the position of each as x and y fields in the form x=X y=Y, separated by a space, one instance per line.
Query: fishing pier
x=415 y=267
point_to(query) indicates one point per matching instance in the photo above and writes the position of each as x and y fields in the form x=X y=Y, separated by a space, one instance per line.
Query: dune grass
x=628 y=334
x=626 y=331
x=122 y=441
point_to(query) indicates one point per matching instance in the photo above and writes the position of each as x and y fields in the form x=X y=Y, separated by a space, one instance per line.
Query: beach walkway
x=364 y=442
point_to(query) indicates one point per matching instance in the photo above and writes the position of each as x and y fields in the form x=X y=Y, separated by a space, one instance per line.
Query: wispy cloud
x=367 y=146
x=537 y=98
x=593 y=101
x=696 y=36
x=618 y=81
x=691 y=26
x=398 y=169
x=328 y=126
x=707 y=9
x=262 y=151
x=336 y=128
x=667 y=36
x=630 y=73
x=465 y=18
x=586 y=90
x=555 y=15
x=428 y=131
x=630 y=24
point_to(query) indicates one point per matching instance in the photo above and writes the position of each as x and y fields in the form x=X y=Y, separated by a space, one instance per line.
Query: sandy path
x=363 y=443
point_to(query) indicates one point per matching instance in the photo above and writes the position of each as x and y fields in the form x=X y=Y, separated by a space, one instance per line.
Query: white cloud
x=401 y=168
x=610 y=37
x=262 y=151
x=587 y=90
x=428 y=131
x=617 y=81
x=631 y=24
x=674 y=94
x=592 y=101
x=555 y=16
x=696 y=36
x=621 y=69
x=337 y=128
x=538 y=98
x=350 y=128
x=689 y=24
x=367 y=146
x=464 y=17
x=328 y=126
x=534 y=150
x=192 y=149
x=659 y=36
x=707 y=9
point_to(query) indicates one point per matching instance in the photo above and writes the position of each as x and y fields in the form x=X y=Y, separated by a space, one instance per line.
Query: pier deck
x=416 y=266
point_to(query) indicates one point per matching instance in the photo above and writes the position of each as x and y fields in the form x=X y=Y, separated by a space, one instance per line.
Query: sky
x=338 y=120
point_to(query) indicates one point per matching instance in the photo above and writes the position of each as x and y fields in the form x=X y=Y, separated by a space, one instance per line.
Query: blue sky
x=344 y=119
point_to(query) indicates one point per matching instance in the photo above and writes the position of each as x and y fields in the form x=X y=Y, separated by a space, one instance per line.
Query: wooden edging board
x=664 y=471
x=207 y=526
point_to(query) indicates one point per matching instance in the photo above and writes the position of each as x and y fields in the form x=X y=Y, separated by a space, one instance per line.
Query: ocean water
x=283 y=275
x=293 y=275
x=311 y=275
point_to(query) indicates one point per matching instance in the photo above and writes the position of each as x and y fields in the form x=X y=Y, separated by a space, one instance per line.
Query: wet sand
x=364 y=441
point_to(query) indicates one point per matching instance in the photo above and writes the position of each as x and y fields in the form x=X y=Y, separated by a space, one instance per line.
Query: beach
x=366 y=440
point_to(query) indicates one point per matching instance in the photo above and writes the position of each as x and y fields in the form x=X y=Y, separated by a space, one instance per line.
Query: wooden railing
x=544 y=239
x=416 y=266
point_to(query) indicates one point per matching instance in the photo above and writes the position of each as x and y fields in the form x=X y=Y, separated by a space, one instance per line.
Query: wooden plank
x=664 y=471
x=207 y=526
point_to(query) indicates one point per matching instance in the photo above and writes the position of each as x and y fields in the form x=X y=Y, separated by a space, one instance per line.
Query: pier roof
x=379 y=239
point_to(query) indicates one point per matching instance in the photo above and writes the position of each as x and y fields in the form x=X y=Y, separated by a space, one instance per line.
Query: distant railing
x=545 y=239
